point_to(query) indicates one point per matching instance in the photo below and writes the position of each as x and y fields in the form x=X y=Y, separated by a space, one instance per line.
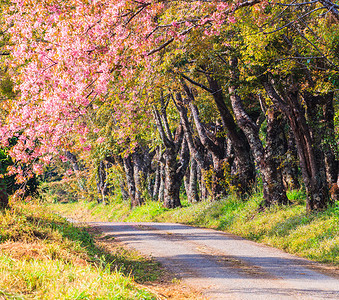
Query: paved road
x=224 y=266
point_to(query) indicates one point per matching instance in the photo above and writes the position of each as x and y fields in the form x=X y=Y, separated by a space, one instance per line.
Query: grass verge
x=42 y=256
x=314 y=236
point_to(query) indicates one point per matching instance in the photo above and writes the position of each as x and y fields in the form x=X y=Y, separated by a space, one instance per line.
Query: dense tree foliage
x=146 y=97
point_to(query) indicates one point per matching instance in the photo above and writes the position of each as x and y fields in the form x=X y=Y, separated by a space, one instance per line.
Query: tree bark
x=123 y=190
x=157 y=179
x=274 y=152
x=193 y=195
x=244 y=160
x=156 y=182
x=195 y=145
x=3 y=194
x=310 y=156
x=198 y=146
x=273 y=188
x=102 y=182
x=174 y=173
x=162 y=183
x=202 y=185
x=129 y=171
x=290 y=170
x=137 y=167
x=139 y=176
x=187 y=181
x=174 y=170
x=329 y=143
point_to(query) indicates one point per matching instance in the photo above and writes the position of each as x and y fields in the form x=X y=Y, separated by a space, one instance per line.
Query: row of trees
x=215 y=96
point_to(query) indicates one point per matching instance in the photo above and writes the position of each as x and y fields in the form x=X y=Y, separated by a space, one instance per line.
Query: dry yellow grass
x=44 y=257
x=20 y=251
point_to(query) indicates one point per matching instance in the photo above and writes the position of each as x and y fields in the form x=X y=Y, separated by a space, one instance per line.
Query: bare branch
x=295 y=4
x=196 y=83
x=160 y=47
x=166 y=141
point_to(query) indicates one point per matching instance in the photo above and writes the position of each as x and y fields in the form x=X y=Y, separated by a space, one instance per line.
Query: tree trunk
x=329 y=143
x=158 y=171
x=244 y=160
x=193 y=195
x=187 y=181
x=310 y=157
x=198 y=146
x=174 y=174
x=102 y=182
x=139 y=175
x=123 y=190
x=156 y=182
x=320 y=115
x=273 y=188
x=162 y=183
x=290 y=169
x=244 y=168
x=274 y=152
x=3 y=194
x=171 y=184
x=202 y=184
x=174 y=169
x=129 y=171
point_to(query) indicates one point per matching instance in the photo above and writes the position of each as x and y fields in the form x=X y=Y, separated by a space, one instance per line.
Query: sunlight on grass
x=289 y=228
x=42 y=279
x=44 y=257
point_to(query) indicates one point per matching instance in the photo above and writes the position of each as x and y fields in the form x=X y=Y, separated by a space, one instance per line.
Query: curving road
x=224 y=266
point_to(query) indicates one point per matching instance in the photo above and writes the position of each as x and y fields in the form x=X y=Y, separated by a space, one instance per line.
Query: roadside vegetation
x=42 y=256
x=313 y=236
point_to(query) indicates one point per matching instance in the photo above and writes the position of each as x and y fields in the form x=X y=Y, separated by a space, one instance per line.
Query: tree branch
x=166 y=141
x=196 y=83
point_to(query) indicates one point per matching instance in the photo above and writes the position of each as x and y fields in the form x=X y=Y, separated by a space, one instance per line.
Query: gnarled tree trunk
x=329 y=143
x=203 y=147
x=174 y=170
x=311 y=157
x=102 y=182
x=139 y=176
x=273 y=188
x=192 y=184
x=244 y=160
x=273 y=157
x=174 y=173
x=129 y=171
x=290 y=168
x=123 y=189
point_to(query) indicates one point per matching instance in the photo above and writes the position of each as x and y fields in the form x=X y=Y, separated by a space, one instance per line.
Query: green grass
x=42 y=256
x=314 y=236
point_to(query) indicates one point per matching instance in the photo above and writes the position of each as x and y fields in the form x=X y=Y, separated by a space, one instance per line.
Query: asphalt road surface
x=224 y=266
